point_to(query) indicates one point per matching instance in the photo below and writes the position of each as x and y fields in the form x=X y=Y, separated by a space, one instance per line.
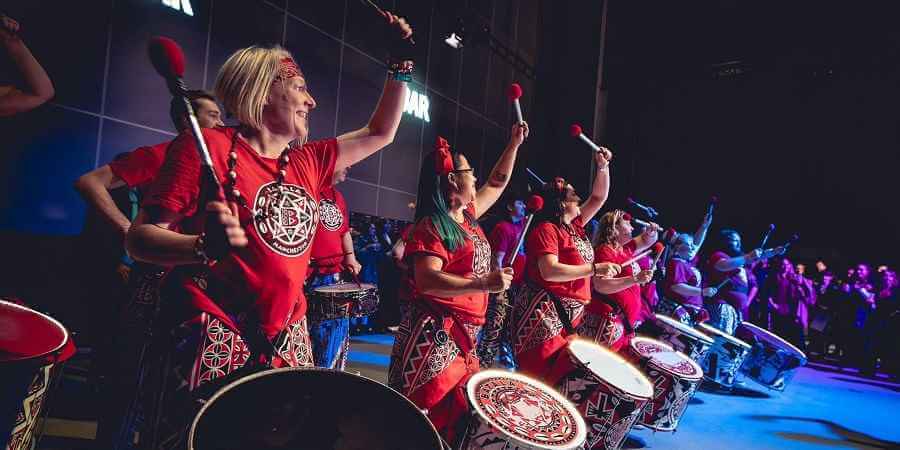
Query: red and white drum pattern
x=675 y=379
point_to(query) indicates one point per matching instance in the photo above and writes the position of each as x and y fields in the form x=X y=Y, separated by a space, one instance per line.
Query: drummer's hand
x=709 y=292
x=644 y=276
x=223 y=230
x=352 y=264
x=607 y=269
x=498 y=280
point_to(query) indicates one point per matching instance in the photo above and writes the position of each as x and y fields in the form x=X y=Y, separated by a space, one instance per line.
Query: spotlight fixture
x=454 y=40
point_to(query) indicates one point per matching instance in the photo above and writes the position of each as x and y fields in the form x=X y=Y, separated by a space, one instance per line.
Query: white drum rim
x=361 y=287
x=475 y=380
x=228 y=387
x=645 y=393
x=54 y=322
x=715 y=331
x=697 y=369
x=777 y=338
x=686 y=329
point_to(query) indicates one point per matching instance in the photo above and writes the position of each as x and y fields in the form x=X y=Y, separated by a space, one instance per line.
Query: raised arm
x=40 y=89
x=500 y=174
x=700 y=234
x=600 y=188
x=647 y=238
x=382 y=127
x=94 y=187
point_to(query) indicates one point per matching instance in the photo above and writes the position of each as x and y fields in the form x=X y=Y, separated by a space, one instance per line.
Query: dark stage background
x=805 y=136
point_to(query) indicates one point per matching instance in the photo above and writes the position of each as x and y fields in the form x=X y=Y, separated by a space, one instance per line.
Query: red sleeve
x=501 y=239
x=177 y=187
x=425 y=240
x=544 y=240
x=140 y=166
x=715 y=258
x=604 y=253
x=319 y=165
x=342 y=205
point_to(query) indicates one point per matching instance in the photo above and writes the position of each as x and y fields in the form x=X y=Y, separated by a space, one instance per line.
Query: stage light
x=454 y=41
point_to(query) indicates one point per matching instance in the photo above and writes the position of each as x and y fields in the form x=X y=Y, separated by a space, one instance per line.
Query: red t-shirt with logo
x=266 y=277
x=504 y=238
x=629 y=299
x=334 y=222
x=573 y=249
x=140 y=167
x=471 y=260
x=680 y=271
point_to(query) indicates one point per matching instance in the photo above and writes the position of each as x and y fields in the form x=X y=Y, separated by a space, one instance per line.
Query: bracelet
x=401 y=71
x=200 y=249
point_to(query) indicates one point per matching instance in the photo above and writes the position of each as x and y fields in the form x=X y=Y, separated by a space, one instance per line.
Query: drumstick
x=383 y=13
x=637 y=257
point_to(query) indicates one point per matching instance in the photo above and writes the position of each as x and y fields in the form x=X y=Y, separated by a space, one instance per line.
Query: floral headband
x=443 y=161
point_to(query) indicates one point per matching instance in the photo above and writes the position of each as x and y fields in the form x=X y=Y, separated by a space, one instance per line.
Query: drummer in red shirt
x=726 y=267
x=434 y=348
x=615 y=308
x=237 y=287
x=549 y=306
x=332 y=253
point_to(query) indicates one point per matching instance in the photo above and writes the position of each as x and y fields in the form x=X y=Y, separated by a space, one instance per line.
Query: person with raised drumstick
x=615 y=308
x=39 y=88
x=450 y=261
x=558 y=270
x=236 y=289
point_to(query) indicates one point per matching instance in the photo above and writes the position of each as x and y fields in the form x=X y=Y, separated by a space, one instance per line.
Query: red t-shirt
x=680 y=271
x=629 y=299
x=504 y=238
x=265 y=277
x=735 y=291
x=140 y=167
x=549 y=238
x=471 y=260
x=327 y=247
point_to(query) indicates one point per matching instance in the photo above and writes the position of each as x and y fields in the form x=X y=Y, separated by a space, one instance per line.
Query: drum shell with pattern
x=724 y=358
x=606 y=389
x=513 y=411
x=772 y=361
x=340 y=300
x=32 y=345
x=675 y=379
x=682 y=337
x=296 y=407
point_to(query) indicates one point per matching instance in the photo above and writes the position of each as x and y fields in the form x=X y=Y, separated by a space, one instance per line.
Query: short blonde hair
x=244 y=81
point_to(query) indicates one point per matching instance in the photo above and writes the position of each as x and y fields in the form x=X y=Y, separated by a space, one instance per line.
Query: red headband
x=443 y=161
x=287 y=68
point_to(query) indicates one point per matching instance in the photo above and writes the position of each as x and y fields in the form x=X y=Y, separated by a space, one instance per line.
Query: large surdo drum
x=724 y=358
x=772 y=361
x=310 y=409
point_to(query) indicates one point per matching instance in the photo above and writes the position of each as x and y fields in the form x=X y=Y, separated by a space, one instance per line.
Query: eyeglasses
x=470 y=169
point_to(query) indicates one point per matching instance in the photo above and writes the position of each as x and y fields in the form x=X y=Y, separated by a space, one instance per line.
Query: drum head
x=611 y=368
x=26 y=334
x=343 y=288
x=525 y=410
x=715 y=332
x=668 y=322
x=310 y=409
x=770 y=338
x=666 y=358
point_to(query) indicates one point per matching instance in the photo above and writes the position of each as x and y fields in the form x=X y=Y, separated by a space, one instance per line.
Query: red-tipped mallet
x=514 y=92
x=658 y=248
x=534 y=204
x=576 y=132
x=640 y=222
x=766 y=236
x=168 y=60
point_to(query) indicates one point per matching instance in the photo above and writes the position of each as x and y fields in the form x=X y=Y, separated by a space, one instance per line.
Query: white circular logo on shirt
x=286 y=218
x=330 y=215
x=584 y=248
x=481 y=261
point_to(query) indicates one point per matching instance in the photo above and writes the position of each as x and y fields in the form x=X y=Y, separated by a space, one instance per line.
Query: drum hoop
x=778 y=339
x=362 y=287
x=717 y=332
x=474 y=380
x=688 y=330
x=58 y=324
x=228 y=387
x=633 y=395
x=698 y=371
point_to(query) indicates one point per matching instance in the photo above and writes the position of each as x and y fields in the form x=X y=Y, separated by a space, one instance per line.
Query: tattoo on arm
x=499 y=178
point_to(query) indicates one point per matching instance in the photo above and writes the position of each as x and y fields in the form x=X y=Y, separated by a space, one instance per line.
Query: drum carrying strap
x=619 y=311
x=562 y=313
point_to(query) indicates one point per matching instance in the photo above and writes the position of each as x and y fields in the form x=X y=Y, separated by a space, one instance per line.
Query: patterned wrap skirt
x=432 y=359
x=537 y=334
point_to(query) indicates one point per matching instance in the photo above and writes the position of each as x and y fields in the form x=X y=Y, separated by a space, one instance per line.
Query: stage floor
x=824 y=407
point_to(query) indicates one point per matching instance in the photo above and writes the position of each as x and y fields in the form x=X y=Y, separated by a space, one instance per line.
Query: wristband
x=200 y=249
x=401 y=71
